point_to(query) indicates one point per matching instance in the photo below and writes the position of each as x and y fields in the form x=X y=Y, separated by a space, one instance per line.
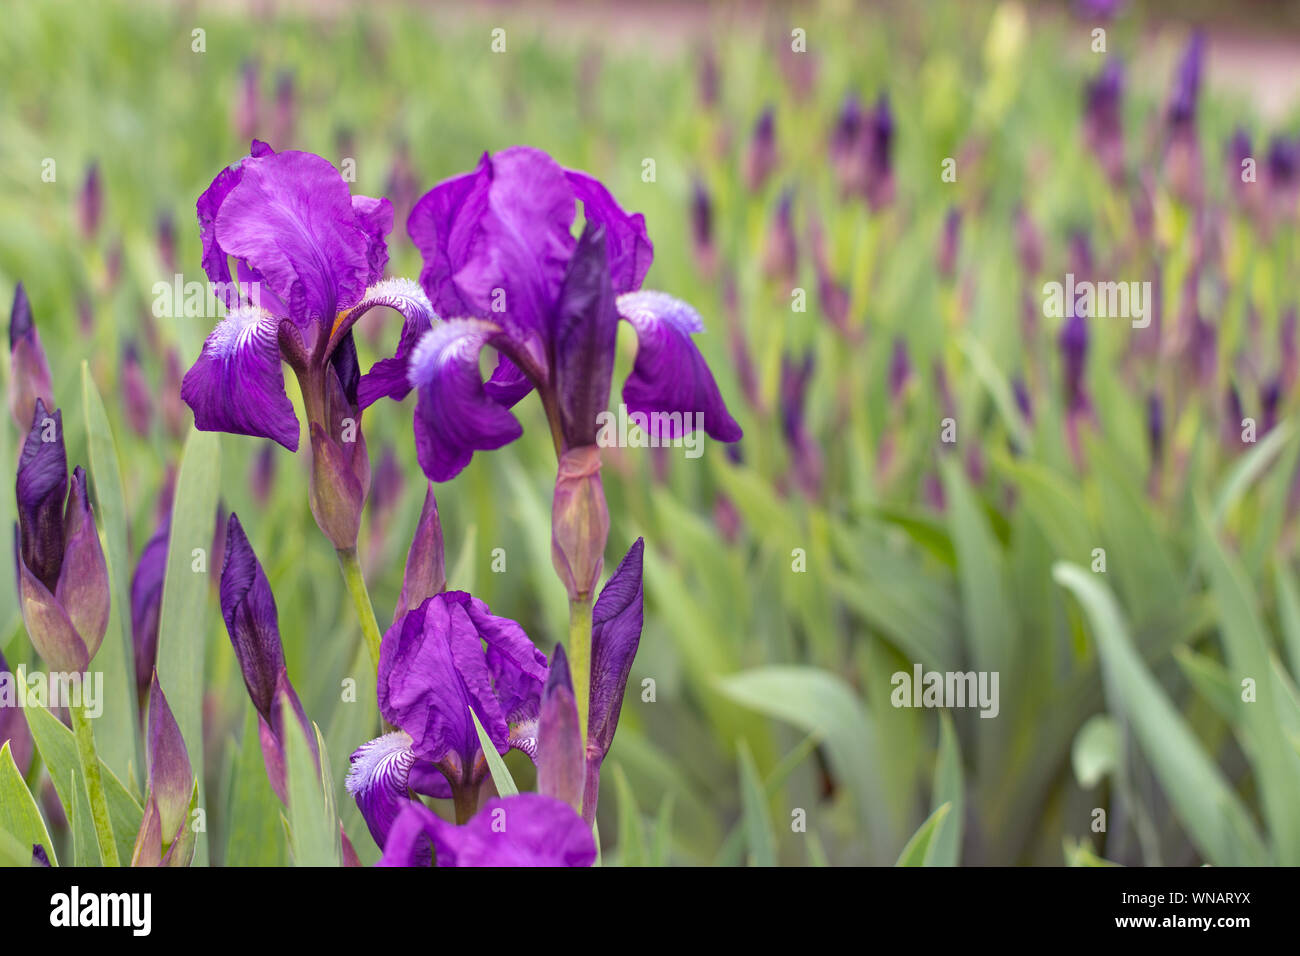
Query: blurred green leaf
x=919 y=850
x=19 y=815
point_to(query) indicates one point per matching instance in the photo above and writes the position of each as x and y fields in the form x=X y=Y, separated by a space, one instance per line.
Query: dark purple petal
x=388 y=378
x=378 y=781
x=48 y=625
x=290 y=218
x=410 y=838
x=517 y=667
x=507 y=385
x=584 y=333
x=670 y=375
x=248 y=607
x=237 y=384
x=454 y=416
x=41 y=488
x=171 y=780
x=630 y=249
x=524 y=830
x=615 y=635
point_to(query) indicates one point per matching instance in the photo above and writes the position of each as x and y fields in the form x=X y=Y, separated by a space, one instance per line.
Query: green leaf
x=1247 y=647
x=1288 y=611
x=505 y=783
x=19 y=815
x=462 y=573
x=313 y=827
x=753 y=803
x=58 y=750
x=631 y=837
x=1096 y=750
x=948 y=789
x=818 y=702
x=255 y=837
x=919 y=850
x=1248 y=468
x=118 y=741
x=1215 y=818
x=662 y=843
x=182 y=628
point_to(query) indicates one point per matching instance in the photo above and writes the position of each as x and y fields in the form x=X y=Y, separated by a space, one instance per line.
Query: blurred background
x=859 y=293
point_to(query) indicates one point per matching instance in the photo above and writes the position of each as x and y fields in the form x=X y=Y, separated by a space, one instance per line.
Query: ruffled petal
x=524 y=830
x=375 y=217
x=388 y=377
x=630 y=248
x=291 y=218
x=237 y=386
x=444 y=225
x=378 y=780
x=670 y=375
x=454 y=416
x=215 y=261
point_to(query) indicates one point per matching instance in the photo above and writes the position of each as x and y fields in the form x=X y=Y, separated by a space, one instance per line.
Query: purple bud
x=1270 y=395
x=1156 y=427
x=340 y=472
x=248 y=608
x=1029 y=243
x=1232 y=416
x=13 y=725
x=135 y=393
x=1290 y=351
x=949 y=243
x=760 y=159
x=171 y=779
x=900 y=369
x=579 y=522
x=701 y=220
x=41 y=489
x=285 y=110
x=880 y=155
x=29 y=372
x=1103 y=126
x=1284 y=173
x=146 y=599
x=90 y=202
x=1073 y=342
x=847 y=148
x=707 y=78
x=262 y=479
x=561 y=767
x=426 y=567
x=1187 y=82
x=248 y=122
x=166 y=233
x=1023 y=401
x=781 y=252
x=616 y=622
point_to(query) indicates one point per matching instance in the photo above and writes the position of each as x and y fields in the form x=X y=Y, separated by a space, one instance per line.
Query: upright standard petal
x=216 y=262
x=630 y=248
x=670 y=375
x=248 y=607
x=584 y=333
x=291 y=219
x=454 y=416
x=444 y=225
x=237 y=384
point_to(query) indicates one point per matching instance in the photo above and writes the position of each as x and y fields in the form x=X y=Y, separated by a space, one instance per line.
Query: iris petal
x=388 y=377
x=237 y=385
x=454 y=415
x=379 y=781
x=670 y=375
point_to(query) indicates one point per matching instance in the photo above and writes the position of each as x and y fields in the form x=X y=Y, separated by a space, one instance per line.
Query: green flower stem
x=580 y=659
x=361 y=601
x=94 y=784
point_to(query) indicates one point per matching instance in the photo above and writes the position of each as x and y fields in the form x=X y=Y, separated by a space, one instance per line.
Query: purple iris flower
x=806 y=461
x=62 y=575
x=447 y=655
x=499 y=255
x=248 y=608
x=524 y=830
x=310 y=258
x=1182 y=154
x=1187 y=82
